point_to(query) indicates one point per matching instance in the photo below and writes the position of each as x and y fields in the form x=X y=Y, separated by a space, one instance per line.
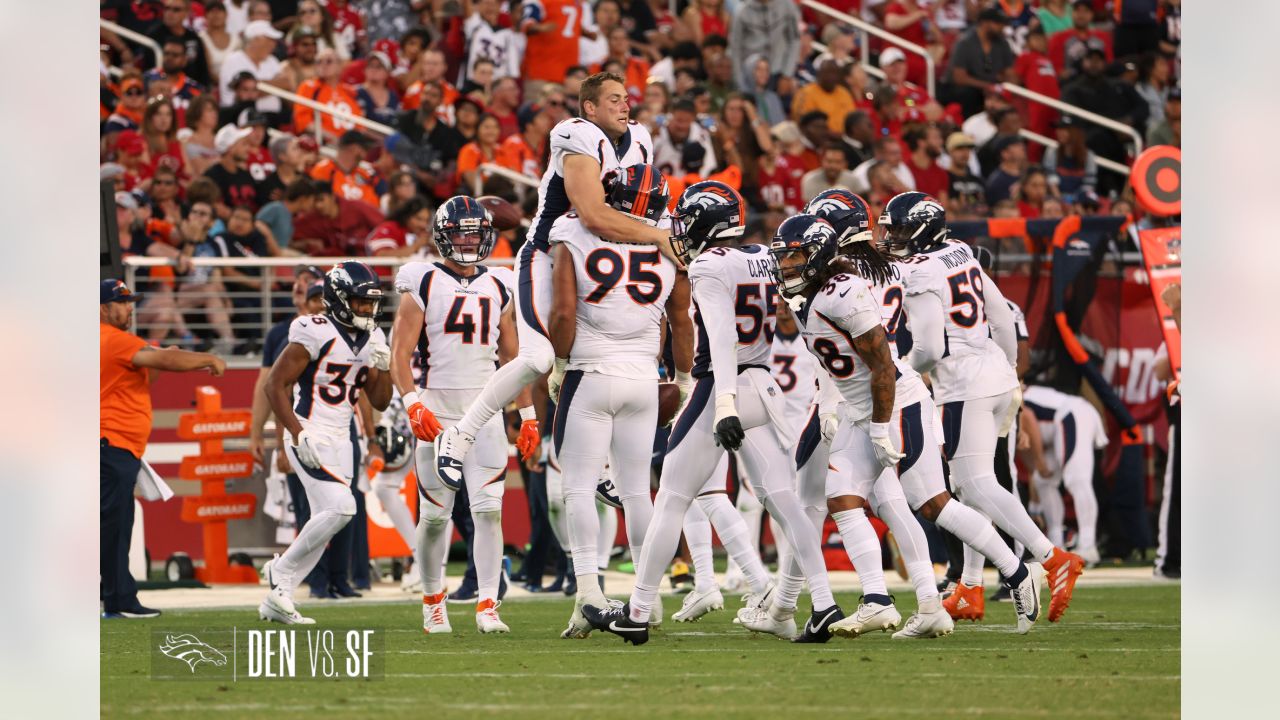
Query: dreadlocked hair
x=864 y=260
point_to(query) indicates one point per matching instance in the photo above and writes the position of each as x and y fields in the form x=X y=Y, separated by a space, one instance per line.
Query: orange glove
x=424 y=424
x=375 y=466
x=530 y=439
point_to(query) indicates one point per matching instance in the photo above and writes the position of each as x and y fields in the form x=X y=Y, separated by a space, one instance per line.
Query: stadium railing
x=1049 y=142
x=1077 y=111
x=139 y=38
x=866 y=29
x=520 y=180
x=341 y=116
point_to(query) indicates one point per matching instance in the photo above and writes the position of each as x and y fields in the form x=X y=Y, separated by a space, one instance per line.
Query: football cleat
x=655 y=612
x=435 y=615
x=946 y=587
x=926 y=625
x=734 y=581
x=765 y=620
x=606 y=492
x=759 y=600
x=1063 y=570
x=452 y=447
x=616 y=619
x=818 y=628
x=870 y=617
x=487 y=620
x=966 y=603
x=278 y=607
x=1026 y=598
x=1001 y=594
x=696 y=604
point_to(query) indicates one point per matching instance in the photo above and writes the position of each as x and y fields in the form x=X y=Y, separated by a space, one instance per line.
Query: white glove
x=883 y=445
x=380 y=356
x=307 y=449
x=1015 y=406
x=556 y=379
x=829 y=423
x=684 y=383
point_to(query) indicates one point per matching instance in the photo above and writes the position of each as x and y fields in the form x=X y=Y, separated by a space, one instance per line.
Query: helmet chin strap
x=361 y=322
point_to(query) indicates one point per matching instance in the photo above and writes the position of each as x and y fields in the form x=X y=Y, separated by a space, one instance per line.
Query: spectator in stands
x=163 y=190
x=1137 y=30
x=966 y=192
x=980 y=59
x=1012 y=152
x=487 y=38
x=750 y=136
x=327 y=89
x=705 y=17
x=814 y=135
x=1035 y=72
x=378 y=100
x=1053 y=208
x=894 y=64
x=1054 y=16
x=242 y=239
x=925 y=144
x=834 y=173
x=1153 y=85
x=304 y=48
x=160 y=131
x=402 y=187
x=198 y=136
x=1072 y=166
x=299 y=197
x=335 y=226
x=202 y=288
x=405 y=232
x=1169 y=130
x=523 y=151
x=231 y=173
x=1095 y=92
x=883 y=184
x=683 y=54
x=826 y=95
x=313 y=20
x=982 y=126
x=173 y=24
x=657 y=97
x=1067 y=49
x=467 y=112
x=128 y=112
x=765 y=27
x=484 y=149
x=503 y=103
x=479 y=81
x=909 y=21
x=431 y=68
x=202 y=189
x=859 y=135
x=172 y=72
x=1008 y=124
x=428 y=145
x=720 y=80
x=130 y=154
x=347 y=174
x=635 y=69
x=681 y=128
x=763 y=88
x=256 y=59
x=220 y=40
x=1033 y=189
x=128 y=367
x=888 y=154
x=1005 y=209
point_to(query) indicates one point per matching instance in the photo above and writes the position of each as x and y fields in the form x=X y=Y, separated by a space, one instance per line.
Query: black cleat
x=617 y=620
x=818 y=628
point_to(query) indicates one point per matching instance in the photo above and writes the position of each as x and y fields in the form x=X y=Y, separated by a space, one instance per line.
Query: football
x=505 y=215
x=668 y=402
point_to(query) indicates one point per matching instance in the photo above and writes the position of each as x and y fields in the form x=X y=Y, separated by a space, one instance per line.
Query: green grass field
x=1115 y=654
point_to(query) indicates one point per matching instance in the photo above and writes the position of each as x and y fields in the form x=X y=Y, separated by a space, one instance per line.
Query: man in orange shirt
x=327 y=89
x=522 y=152
x=553 y=29
x=128 y=368
x=347 y=174
x=637 y=69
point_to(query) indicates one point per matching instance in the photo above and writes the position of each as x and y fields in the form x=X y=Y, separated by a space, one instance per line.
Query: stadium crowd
x=766 y=95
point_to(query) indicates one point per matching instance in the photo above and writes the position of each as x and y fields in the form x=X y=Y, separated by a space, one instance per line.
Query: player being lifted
x=963 y=334
x=606 y=328
x=458 y=315
x=735 y=406
x=329 y=360
x=583 y=151
x=917 y=482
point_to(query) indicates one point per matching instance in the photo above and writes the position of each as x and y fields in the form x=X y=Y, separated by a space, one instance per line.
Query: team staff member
x=128 y=367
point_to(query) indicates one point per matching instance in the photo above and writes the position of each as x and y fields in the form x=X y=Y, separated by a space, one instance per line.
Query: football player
x=963 y=334
x=606 y=330
x=735 y=406
x=459 y=316
x=1070 y=431
x=329 y=361
x=583 y=151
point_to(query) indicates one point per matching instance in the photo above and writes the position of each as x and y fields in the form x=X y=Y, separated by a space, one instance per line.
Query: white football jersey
x=892 y=313
x=1050 y=406
x=841 y=311
x=458 y=346
x=622 y=296
x=325 y=394
x=796 y=374
x=501 y=45
x=734 y=301
x=577 y=136
x=972 y=365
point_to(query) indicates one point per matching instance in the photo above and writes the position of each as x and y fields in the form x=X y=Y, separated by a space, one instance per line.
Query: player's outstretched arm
x=586 y=195
x=404 y=339
x=873 y=350
x=284 y=373
x=378 y=388
x=259 y=411
x=175 y=360
x=564 y=301
x=925 y=319
x=681 y=326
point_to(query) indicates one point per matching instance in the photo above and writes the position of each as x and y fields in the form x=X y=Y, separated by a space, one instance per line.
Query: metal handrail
x=136 y=37
x=385 y=130
x=868 y=29
x=1102 y=162
x=867 y=68
x=1078 y=111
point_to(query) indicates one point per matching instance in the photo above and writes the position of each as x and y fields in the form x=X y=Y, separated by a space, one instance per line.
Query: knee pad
x=490 y=515
x=487 y=500
x=433 y=514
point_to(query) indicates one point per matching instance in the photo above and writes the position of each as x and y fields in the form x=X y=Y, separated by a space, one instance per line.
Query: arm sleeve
x=924 y=316
x=715 y=305
x=1003 y=325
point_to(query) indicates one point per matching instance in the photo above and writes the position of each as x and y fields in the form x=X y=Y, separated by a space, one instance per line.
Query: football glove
x=556 y=379
x=829 y=423
x=422 y=421
x=883 y=445
x=530 y=440
x=728 y=428
x=380 y=357
x=307 y=448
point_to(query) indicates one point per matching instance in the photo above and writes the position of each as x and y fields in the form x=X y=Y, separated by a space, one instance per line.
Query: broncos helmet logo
x=819 y=231
x=191 y=650
x=925 y=208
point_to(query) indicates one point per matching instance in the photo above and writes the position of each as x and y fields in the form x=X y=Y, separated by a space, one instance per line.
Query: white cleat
x=655 y=612
x=927 y=625
x=278 y=607
x=869 y=618
x=487 y=620
x=697 y=604
x=734 y=581
x=452 y=446
x=435 y=616
x=756 y=600
x=762 y=620
x=411 y=582
x=1090 y=556
x=578 y=628
x=1026 y=598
